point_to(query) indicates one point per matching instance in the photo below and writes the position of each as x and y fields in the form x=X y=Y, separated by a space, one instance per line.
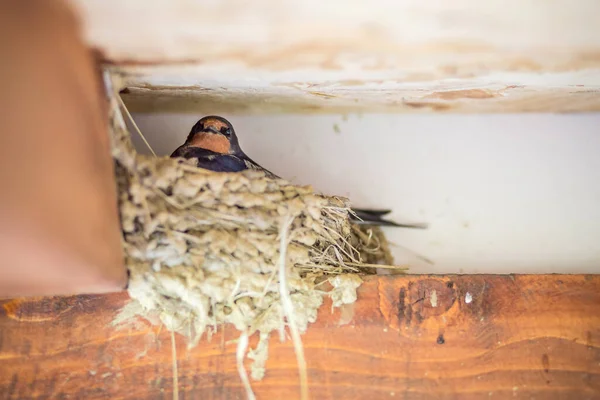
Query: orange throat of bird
x=213 y=142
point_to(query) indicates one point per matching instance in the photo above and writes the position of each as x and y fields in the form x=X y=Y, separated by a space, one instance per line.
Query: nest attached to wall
x=205 y=249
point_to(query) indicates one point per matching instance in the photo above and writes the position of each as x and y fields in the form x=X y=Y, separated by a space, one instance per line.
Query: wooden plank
x=152 y=90
x=410 y=337
x=348 y=56
x=59 y=222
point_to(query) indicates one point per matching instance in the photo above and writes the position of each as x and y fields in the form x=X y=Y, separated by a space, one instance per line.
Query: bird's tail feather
x=375 y=217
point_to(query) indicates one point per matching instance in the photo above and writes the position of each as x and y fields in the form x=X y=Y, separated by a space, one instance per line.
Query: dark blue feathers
x=210 y=160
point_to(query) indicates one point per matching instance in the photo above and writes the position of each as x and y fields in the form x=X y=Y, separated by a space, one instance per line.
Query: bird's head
x=215 y=134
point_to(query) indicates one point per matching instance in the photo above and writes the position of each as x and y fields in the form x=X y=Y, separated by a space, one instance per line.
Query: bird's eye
x=226 y=131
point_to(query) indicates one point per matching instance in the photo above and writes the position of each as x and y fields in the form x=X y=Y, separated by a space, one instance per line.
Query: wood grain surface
x=408 y=337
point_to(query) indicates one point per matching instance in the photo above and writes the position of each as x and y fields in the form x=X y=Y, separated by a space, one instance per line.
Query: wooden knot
x=430 y=297
x=420 y=300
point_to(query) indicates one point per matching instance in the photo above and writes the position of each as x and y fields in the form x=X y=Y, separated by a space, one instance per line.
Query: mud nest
x=205 y=248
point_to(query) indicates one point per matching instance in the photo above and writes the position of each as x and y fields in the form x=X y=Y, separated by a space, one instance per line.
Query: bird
x=214 y=143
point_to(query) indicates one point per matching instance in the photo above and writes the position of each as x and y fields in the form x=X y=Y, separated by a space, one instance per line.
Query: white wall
x=502 y=193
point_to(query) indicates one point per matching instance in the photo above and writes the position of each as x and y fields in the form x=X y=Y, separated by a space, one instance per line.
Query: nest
x=205 y=249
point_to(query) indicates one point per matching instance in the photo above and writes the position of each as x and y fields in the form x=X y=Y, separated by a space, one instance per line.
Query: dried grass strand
x=288 y=308
x=175 y=370
x=135 y=125
x=240 y=354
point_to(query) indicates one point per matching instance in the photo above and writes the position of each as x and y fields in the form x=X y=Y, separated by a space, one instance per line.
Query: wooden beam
x=151 y=91
x=59 y=222
x=350 y=56
x=410 y=337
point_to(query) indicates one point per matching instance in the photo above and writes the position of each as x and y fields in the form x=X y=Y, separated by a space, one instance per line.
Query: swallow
x=213 y=141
